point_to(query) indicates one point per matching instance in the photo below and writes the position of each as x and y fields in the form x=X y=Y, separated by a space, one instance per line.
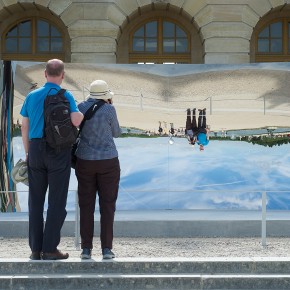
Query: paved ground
x=165 y=247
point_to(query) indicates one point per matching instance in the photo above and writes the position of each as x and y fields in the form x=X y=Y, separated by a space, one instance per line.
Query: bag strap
x=90 y=113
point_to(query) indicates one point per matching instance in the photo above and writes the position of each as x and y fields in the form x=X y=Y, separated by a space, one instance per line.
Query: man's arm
x=76 y=118
x=25 y=134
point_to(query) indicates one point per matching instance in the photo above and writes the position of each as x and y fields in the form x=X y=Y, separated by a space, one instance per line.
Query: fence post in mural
x=264 y=197
x=210 y=104
x=77 y=228
x=141 y=101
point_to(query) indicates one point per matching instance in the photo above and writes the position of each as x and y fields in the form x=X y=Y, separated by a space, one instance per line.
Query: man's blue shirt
x=201 y=139
x=33 y=107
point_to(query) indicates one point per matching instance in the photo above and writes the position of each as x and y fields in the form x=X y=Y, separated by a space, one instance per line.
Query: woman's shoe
x=108 y=254
x=86 y=254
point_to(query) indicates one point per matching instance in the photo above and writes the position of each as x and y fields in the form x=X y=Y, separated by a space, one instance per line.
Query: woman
x=98 y=169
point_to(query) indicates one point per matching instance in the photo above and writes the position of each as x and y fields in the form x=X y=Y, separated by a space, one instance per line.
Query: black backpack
x=59 y=131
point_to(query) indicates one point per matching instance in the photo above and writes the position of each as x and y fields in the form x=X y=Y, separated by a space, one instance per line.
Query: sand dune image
x=236 y=97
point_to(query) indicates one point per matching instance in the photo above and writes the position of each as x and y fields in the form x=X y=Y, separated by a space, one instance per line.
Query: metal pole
x=210 y=105
x=264 y=105
x=264 y=197
x=141 y=102
x=77 y=229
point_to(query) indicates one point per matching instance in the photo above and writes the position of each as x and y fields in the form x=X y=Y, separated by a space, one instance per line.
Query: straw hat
x=19 y=172
x=99 y=90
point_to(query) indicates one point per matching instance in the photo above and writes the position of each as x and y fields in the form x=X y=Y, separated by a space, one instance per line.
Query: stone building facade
x=146 y=31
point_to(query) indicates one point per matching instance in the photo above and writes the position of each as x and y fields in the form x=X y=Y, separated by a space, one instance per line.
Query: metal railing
x=263 y=209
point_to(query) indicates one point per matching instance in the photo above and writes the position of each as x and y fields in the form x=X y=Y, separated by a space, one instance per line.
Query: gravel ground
x=164 y=247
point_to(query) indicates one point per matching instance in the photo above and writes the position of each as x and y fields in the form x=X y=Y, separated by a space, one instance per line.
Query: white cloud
x=155 y=174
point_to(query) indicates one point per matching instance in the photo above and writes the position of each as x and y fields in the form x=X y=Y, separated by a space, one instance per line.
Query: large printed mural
x=247 y=112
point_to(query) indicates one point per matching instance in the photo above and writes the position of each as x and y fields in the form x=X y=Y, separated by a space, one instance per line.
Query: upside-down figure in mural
x=197 y=132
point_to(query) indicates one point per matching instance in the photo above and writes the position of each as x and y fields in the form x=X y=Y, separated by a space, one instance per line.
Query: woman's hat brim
x=102 y=96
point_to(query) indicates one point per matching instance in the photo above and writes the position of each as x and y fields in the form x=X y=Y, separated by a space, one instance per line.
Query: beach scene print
x=247 y=114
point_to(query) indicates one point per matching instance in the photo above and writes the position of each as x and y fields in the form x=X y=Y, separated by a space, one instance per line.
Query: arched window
x=33 y=39
x=159 y=41
x=273 y=41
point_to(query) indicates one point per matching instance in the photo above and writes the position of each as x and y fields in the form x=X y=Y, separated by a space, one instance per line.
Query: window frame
x=275 y=56
x=159 y=56
x=34 y=54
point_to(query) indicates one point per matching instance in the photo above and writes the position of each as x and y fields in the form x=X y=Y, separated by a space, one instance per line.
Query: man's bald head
x=54 y=68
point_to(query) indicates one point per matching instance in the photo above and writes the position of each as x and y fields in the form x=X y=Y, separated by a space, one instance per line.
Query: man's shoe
x=86 y=254
x=57 y=255
x=35 y=256
x=108 y=254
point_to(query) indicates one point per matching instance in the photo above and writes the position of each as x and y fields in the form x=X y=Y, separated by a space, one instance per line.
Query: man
x=203 y=131
x=47 y=168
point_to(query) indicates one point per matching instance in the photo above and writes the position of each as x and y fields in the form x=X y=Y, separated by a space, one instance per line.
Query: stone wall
x=225 y=26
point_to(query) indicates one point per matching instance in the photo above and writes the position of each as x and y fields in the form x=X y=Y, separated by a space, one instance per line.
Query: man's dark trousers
x=47 y=168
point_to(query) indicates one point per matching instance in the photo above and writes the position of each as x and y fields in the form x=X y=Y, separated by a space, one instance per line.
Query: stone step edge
x=157 y=260
x=157 y=276
x=169 y=281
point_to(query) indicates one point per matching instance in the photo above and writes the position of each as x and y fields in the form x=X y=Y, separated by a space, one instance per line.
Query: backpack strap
x=61 y=91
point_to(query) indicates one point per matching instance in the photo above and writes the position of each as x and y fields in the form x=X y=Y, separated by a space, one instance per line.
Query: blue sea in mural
x=226 y=175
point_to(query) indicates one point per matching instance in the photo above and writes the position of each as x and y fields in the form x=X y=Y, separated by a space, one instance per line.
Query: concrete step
x=148 y=266
x=138 y=281
x=165 y=273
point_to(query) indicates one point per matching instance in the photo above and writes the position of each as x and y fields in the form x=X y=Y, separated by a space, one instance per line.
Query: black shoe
x=86 y=254
x=35 y=256
x=57 y=255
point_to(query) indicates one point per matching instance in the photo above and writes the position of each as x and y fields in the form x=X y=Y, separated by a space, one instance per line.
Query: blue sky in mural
x=227 y=175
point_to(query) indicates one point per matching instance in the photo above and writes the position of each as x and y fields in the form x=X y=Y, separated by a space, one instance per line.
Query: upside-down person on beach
x=197 y=133
x=191 y=129
x=47 y=167
x=98 y=169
